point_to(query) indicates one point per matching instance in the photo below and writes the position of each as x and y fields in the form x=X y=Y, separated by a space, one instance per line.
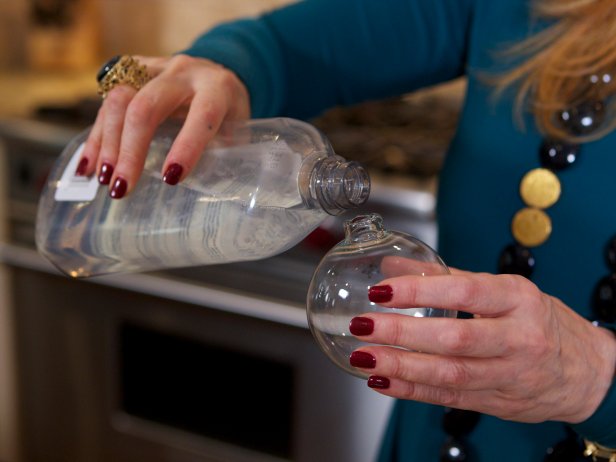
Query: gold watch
x=599 y=453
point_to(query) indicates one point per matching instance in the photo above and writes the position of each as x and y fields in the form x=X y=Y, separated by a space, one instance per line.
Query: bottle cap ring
x=121 y=70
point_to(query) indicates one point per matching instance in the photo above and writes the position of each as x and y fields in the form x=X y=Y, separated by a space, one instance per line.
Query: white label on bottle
x=76 y=188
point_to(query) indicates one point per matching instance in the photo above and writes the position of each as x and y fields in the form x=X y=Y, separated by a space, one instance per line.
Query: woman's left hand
x=524 y=356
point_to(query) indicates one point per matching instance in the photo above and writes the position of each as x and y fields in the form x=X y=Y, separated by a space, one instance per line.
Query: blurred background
x=51 y=49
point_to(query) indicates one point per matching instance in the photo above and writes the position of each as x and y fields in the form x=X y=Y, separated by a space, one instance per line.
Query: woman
x=527 y=189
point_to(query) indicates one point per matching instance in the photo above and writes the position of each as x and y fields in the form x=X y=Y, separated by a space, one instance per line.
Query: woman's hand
x=525 y=356
x=203 y=92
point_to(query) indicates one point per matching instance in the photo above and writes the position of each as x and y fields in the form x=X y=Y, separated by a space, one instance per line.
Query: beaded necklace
x=531 y=226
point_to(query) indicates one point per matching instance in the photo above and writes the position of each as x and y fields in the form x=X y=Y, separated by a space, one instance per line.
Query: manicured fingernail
x=173 y=174
x=362 y=359
x=380 y=294
x=104 y=176
x=119 y=188
x=375 y=381
x=81 y=167
x=361 y=326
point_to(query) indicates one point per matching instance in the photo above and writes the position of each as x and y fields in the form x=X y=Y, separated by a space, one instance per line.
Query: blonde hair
x=562 y=61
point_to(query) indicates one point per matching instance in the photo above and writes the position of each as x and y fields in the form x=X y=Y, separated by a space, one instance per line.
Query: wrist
x=599 y=427
x=595 y=373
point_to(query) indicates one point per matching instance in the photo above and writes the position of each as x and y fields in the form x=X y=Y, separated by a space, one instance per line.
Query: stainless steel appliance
x=199 y=364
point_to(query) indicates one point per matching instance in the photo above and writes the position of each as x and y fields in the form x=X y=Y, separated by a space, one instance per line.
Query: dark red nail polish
x=380 y=294
x=173 y=174
x=362 y=359
x=375 y=381
x=81 y=167
x=361 y=326
x=104 y=176
x=119 y=188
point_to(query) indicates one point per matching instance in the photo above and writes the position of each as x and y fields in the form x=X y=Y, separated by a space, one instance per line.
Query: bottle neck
x=364 y=228
x=336 y=185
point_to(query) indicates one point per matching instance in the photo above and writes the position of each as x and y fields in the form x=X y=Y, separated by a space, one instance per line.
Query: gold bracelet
x=599 y=453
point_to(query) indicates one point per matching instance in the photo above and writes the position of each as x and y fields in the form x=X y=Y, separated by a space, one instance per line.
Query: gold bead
x=540 y=188
x=531 y=227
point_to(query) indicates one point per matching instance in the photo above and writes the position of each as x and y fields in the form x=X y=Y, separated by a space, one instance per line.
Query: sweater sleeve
x=306 y=57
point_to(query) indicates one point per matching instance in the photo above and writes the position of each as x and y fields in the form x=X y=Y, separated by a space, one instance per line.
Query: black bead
x=106 y=68
x=567 y=450
x=558 y=155
x=610 y=253
x=604 y=299
x=584 y=118
x=454 y=450
x=516 y=259
x=458 y=423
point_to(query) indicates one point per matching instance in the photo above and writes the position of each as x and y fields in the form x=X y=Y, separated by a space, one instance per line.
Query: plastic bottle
x=259 y=188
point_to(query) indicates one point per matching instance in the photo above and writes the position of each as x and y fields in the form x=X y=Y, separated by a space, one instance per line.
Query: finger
x=115 y=105
x=403 y=389
x=153 y=104
x=399 y=266
x=201 y=125
x=89 y=157
x=480 y=338
x=447 y=397
x=89 y=162
x=491 y=402
x=155 y=65
x=434 y=370
x=219 y=97
x=392 y=266
x=481 y=294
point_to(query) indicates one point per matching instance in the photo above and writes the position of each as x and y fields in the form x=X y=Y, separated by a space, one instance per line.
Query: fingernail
x=81 y=167
x=173 y=174
x=361 y=326
x=104 y=176
x=380 y=294
x=119 y=188
x=362 y=359
x=375 y=381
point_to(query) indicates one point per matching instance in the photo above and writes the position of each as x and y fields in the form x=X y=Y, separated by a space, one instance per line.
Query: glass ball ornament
x=338 y=291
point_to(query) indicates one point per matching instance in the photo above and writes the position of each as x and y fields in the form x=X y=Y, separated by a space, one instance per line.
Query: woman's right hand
x=204 y=93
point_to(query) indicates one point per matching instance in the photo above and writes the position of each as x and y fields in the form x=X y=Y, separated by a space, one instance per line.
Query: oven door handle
x=163 y=286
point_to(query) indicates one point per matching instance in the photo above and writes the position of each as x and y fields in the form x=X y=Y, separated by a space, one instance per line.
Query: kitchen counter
x=22 y=92
x=176 y=288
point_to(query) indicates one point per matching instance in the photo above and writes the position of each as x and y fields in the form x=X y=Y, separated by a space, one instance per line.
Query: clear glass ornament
x=339 y=288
